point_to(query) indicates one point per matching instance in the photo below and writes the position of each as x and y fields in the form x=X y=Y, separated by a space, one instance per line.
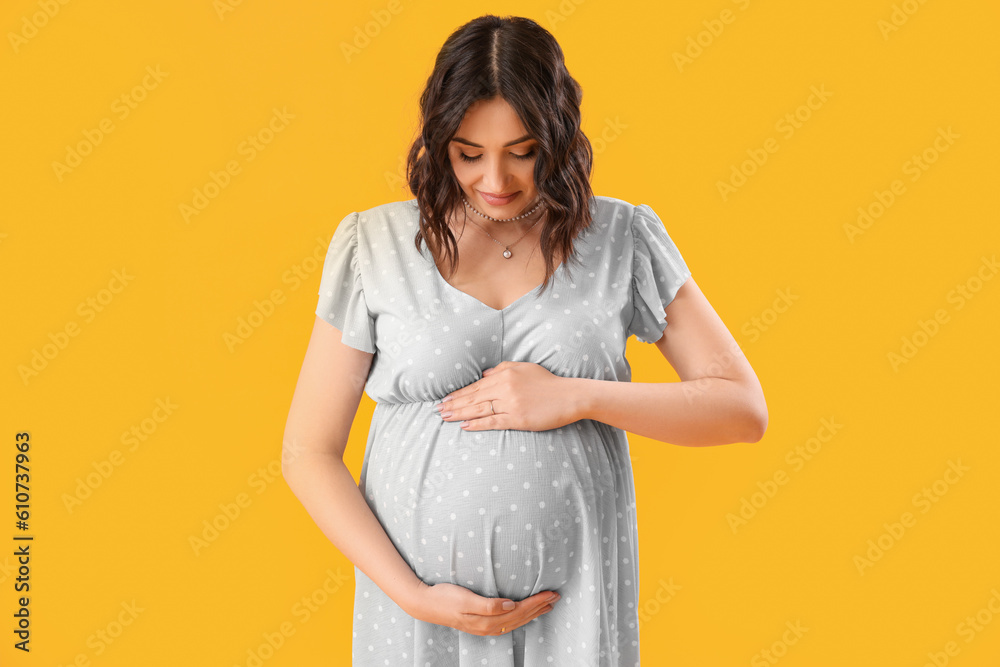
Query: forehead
x=491 y=123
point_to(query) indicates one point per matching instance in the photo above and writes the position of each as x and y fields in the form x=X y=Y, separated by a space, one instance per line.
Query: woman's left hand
x=526 y=397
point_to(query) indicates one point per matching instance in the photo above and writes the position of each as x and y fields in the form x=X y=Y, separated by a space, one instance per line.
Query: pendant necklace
x=506 y=253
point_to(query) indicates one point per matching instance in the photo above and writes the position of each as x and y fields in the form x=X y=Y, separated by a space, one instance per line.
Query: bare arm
x=326 y=400
x=323 y=407
x=718 y=401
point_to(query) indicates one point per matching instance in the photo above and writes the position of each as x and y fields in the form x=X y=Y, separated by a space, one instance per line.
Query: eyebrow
x=509 y=143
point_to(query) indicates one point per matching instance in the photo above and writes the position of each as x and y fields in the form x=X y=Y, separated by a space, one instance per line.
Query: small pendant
x=506 y=253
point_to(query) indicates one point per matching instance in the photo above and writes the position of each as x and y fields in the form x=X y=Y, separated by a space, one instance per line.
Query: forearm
x=325 y=487
x=702 y=412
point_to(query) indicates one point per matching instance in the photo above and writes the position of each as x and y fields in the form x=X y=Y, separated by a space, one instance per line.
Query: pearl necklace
x=523 y=215
x=506 y=253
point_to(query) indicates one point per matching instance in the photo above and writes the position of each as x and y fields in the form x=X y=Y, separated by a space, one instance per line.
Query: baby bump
x=503 y=513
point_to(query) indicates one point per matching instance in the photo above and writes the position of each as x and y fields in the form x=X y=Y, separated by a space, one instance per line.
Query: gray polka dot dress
x=504 y=513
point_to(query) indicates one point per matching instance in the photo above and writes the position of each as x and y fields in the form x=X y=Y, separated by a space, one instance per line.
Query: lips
x=497 y=200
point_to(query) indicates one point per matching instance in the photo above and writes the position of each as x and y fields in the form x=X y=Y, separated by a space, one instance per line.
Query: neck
x=505 y=229
x=508 y=231
x=526 y=211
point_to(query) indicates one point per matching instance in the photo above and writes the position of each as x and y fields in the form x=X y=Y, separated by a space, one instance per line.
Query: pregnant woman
x=495 y=518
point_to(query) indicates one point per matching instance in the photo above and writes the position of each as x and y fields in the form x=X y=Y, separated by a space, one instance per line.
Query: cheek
x=526 y=173
x=463 y=172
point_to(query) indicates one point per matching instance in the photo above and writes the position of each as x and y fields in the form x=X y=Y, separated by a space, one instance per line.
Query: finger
x=490 y=423
x=494 y=606
x=509 y=626
x=503 y=365
x=544 y=609
x=495 y=617
x=460 y=408
x=477 y=417
x=458 y=393
x=451 y=413
x=539 y=600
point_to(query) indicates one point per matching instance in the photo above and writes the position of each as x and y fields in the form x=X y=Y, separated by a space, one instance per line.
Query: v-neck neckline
x=429 y=258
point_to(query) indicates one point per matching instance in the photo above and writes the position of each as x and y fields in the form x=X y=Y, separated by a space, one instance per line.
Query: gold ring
x=492 y=411
x=502 y=630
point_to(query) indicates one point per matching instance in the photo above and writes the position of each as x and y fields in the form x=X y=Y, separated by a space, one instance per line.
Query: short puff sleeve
x=658 y=271
x=341 y=293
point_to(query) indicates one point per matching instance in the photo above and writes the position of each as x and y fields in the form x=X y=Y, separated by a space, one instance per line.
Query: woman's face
x=491 y=155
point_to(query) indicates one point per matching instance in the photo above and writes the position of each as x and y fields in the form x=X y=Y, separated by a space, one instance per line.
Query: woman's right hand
x=459 y=608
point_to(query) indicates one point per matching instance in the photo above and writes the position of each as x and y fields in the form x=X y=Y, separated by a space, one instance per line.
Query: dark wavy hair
x=520 y=61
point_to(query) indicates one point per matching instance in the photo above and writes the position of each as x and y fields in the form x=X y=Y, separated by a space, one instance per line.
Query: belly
x=503 y=513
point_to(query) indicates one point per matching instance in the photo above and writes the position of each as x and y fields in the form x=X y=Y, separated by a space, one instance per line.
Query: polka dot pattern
x=502 y=512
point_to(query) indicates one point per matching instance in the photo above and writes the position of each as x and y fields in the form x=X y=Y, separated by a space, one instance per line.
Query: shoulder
x=635 y=219
x=617 y=216
x=385 y=220
x=394 y=211
x=609 y=209
x=389 y=209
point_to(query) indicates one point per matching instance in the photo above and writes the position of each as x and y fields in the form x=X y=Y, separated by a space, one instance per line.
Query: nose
x=495 y=177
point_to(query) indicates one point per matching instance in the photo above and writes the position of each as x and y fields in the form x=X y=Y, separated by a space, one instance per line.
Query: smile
x=496 y=200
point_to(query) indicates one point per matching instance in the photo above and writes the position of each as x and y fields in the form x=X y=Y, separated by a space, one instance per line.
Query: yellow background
x=666 y=135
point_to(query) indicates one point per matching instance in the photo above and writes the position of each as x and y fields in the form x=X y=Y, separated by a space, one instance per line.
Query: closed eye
x=468 y=158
